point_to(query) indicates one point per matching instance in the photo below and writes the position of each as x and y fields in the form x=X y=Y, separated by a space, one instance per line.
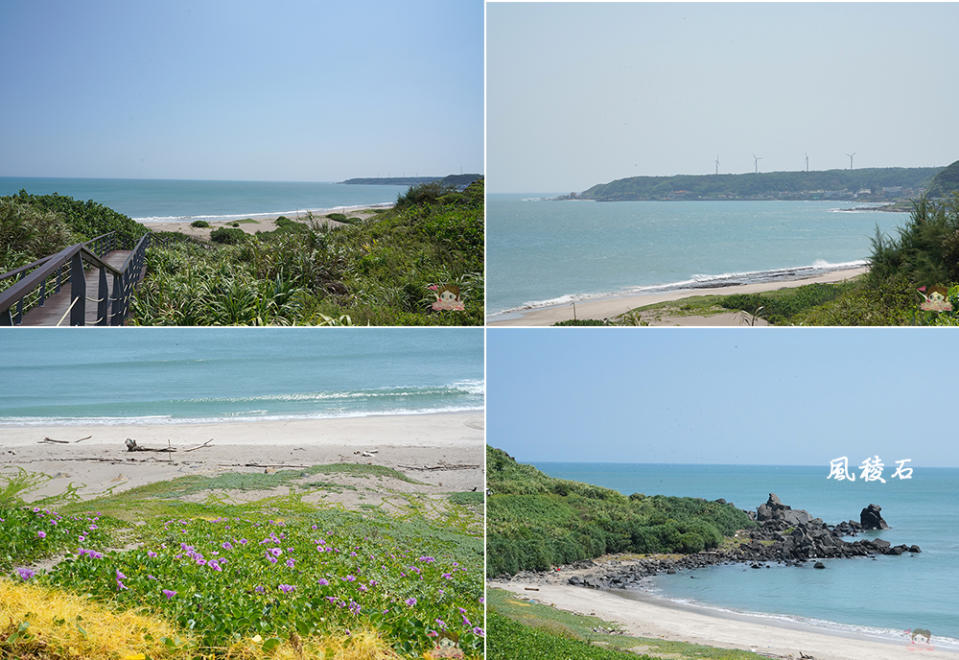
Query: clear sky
x=735 y=396
x=298 y=90
x=579 y=94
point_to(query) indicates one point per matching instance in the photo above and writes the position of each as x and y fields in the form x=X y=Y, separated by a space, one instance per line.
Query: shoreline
x=263 y=221
x=442 y=449
x=612 y=306
x=647 y=615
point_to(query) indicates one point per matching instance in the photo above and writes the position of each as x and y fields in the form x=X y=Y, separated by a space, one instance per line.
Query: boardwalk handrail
x=112 y=307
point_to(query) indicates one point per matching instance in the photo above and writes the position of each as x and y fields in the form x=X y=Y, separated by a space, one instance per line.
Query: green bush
x=228 y=235
x=377 y=272
x=87 y=219
x=535 y=521
x=28 y=233
x=200 y=223
x=338 y=217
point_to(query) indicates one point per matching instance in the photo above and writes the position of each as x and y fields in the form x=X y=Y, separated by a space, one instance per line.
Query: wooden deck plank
x=57 y=304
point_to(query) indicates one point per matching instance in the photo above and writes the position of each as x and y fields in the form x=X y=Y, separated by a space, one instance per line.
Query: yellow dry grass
x=61 y=626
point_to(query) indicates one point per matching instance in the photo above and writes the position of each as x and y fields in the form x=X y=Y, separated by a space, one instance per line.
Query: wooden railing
x=35 y=282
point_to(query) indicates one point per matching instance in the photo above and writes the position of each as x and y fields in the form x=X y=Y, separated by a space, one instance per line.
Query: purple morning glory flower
x=169 y=593
x=323 y=582
x=41 y=534
x=25 y=573
x=286 y=588
x=411 y=601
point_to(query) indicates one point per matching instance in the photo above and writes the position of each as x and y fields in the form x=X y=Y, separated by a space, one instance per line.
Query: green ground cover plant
x=535 y=521
x=271 y=573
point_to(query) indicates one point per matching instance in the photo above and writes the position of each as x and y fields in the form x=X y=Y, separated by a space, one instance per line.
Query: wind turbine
x=807 y=162
x=717 y=163
x=850 y=158
x=756 y=160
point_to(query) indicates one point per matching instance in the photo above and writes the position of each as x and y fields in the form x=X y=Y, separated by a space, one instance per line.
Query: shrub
x=199 y=223
x=228 y=235
x=28 y=233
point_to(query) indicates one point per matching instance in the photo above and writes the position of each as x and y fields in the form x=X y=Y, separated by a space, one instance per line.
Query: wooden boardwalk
x=57 y=304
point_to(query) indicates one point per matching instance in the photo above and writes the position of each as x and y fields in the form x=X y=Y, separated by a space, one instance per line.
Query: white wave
x=267 y=214
x=795 y=621
x=698 y=281
x=245 y=416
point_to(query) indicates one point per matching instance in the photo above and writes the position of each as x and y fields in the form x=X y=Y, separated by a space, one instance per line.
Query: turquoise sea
x=877 y=598
x=542 y=252
x=155 y=200
x=161 y=375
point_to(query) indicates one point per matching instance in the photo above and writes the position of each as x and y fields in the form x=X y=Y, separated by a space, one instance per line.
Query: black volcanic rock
x=774 y=509
x=783 y=535
x=870 y=518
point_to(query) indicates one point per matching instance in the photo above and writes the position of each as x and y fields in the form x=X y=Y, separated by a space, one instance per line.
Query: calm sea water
x=881 y=598
x=542 y=252
x=149 y=200
x=158 y=375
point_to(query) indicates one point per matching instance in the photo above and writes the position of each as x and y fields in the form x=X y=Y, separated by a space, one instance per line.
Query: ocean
x=879 y=599
x=167 y=200
x=542 y=252
x=161 y=375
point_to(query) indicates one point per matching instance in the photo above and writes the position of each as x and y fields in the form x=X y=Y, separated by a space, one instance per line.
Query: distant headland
x=878 y=184
x=451 y=180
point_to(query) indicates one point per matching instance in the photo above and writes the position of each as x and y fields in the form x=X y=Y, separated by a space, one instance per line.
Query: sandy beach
x=263 y=222
x=445 y=451
x=659 y=619
x=603 y=308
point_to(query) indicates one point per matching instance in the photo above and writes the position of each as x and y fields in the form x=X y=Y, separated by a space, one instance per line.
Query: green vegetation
x=269 y=573
x=535 y=521
x=526 y=629
x=34 y=226
x=200 y=224
x=945 y=183
x=227 y=235
x=375 y=272
x=829 y=184
x=448 y=181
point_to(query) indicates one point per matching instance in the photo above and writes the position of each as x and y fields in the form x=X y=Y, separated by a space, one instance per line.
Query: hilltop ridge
x=867 y=184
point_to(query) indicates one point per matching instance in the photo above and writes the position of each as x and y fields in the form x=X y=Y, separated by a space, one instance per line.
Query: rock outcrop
x=783 y=535
x=870 y=518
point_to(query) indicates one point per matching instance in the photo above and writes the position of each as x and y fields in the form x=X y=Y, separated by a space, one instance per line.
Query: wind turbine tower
x=717 y=163
x=850 y=158
x=756 y=160
x=807 y=162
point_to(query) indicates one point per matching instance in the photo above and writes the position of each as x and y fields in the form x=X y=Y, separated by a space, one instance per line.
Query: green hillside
x=946 y=182
x=535 y=521
x=828 y=184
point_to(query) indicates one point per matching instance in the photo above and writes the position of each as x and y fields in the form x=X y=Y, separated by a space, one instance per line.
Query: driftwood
x=133 y=446
x=424 y=468
x=205 y=444
x=273 y=465
x=64 y=442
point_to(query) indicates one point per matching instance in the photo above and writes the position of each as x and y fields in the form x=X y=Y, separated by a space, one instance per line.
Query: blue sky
x=241 y=89
x=580 y=94
x=736 y=396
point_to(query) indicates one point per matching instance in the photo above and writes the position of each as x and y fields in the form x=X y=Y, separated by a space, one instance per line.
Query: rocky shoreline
x=782 y=535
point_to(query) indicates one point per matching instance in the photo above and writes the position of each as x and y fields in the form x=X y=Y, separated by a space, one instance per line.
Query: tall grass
x=375 y=272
